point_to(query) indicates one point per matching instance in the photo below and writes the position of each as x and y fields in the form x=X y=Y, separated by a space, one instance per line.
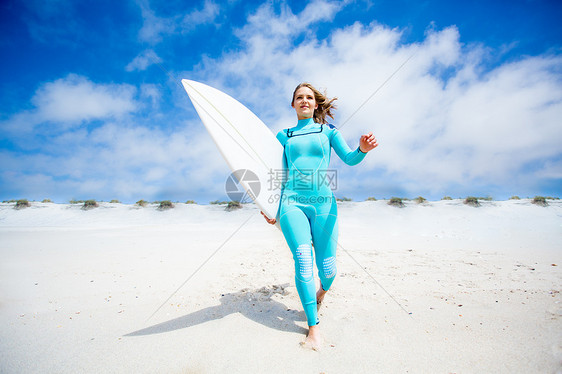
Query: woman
x=308 y=212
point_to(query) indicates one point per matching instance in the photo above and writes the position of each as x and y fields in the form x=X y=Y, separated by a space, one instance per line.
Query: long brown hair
x=325 y=104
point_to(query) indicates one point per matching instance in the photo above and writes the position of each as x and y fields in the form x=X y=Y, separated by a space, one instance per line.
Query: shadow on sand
x=256 y=305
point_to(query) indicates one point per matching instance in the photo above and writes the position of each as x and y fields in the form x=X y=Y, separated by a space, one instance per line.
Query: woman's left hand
x=367 y=143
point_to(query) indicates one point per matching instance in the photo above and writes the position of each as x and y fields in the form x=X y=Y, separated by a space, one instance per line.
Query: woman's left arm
x=367 y=143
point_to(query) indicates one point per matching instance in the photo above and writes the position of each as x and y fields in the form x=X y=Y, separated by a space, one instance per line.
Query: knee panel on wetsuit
x=303 y=262
x=329 y=267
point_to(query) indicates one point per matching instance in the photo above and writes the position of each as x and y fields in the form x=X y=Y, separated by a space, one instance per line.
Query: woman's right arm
x=282 y=139
x=271 y=221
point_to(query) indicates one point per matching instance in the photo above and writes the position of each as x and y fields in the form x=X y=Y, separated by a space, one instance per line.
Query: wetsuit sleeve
x=281 y=137
x=343 y=151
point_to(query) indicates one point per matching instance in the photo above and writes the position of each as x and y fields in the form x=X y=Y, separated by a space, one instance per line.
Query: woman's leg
x=296 y=229
x=325 y=238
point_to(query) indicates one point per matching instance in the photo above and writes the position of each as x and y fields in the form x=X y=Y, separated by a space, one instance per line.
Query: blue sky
x=91 y=105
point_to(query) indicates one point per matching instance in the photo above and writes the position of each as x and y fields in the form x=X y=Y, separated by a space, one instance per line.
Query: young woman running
x=307 y=211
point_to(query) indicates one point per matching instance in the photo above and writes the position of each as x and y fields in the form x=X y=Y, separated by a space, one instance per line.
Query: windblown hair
x=325 y=104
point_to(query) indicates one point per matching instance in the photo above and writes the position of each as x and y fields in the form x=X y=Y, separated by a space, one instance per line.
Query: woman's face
x=304 y=103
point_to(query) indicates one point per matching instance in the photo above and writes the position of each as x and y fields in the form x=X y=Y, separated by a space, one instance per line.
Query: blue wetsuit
x=308 y=211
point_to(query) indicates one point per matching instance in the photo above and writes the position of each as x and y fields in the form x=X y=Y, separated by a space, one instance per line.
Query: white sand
x=77 y=289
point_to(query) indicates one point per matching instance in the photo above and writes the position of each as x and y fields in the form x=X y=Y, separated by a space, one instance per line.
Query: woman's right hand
x=271 y=221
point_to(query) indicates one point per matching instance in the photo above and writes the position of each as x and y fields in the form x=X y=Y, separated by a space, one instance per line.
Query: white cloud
x=76 y=98
x=265 y=23
x=143 y=61
x=151 y=92
x=207 y=14
x=268 y=59
x=119 y=160
x=155 y=27
x=72 y=100
x=444 y=119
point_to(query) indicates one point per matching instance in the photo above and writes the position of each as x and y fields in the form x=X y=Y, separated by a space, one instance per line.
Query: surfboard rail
x=250 y=149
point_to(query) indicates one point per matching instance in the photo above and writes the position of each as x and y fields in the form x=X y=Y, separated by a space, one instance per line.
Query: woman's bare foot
x=320 y=296
x=313 y=339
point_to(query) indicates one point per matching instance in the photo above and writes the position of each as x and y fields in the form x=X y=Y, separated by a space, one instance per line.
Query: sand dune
x=440 y=287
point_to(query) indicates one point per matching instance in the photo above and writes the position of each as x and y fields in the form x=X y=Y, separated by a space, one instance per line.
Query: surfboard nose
x=188 y=84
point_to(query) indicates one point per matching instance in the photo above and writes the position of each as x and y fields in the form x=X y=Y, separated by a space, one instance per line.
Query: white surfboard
x=249 y=147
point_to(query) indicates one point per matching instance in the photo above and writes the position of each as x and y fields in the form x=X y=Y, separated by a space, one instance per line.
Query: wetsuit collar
x=304 y=122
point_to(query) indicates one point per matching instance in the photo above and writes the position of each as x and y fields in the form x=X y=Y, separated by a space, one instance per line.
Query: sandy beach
x=439 y=287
